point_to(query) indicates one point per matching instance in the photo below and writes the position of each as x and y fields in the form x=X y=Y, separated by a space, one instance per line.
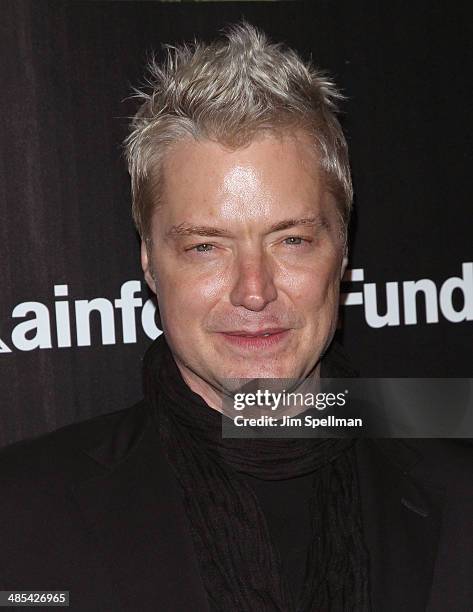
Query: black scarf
x=239 y=567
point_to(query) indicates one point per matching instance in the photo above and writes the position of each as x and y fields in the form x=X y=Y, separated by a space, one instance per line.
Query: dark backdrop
x=66 y=236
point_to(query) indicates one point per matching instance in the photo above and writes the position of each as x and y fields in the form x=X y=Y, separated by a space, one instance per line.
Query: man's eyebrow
x=186 y=229
x=288 y=223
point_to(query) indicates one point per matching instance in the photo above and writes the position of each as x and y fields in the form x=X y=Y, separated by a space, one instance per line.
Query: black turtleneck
x=286 y=508
x=286 y=503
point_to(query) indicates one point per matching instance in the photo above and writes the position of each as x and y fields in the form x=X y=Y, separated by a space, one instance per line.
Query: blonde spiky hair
x=228 y=91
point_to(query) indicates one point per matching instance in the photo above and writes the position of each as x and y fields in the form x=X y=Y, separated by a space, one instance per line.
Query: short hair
x=228 y=91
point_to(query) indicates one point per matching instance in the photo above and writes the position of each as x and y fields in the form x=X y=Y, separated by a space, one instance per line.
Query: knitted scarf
x=240 y=568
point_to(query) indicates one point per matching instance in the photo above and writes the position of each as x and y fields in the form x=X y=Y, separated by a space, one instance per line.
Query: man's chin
x=256 y=372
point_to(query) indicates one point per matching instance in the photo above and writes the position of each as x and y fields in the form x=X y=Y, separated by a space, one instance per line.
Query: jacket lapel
x=401 y=523
x=133 y=506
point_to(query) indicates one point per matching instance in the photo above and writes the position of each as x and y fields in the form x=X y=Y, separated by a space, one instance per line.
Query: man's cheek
x=188 y=303
x=207 y=289
x=309 y=288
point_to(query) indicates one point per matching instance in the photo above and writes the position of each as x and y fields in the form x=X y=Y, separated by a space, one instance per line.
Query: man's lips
x=258 y=339
x=252 y=334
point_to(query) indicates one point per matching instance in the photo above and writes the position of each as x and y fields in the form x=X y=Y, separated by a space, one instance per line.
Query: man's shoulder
x=59 y=454
x=446 y=463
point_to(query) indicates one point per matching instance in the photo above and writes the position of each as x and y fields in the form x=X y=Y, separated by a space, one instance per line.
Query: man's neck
x=207 y=392
x=213 y=397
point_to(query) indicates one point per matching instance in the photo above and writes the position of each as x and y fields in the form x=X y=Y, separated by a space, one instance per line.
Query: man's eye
x=203 y=248
x=294 y=240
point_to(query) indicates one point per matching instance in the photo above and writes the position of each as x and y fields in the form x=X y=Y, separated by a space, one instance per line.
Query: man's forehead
x=239 y=179
x=266 y=180
x=267 y=160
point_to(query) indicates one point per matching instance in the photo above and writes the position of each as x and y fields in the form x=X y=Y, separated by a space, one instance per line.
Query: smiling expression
x=246 y=257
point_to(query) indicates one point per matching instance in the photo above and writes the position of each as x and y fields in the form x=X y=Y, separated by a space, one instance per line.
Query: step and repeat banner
x=75 y=314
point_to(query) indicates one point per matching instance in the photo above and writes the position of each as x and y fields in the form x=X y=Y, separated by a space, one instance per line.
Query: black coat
x=94 y=508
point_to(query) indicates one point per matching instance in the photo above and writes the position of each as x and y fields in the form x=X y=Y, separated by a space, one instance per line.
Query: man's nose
x=254 y=286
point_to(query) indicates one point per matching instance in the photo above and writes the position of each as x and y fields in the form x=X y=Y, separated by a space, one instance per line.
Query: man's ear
x=146 y=266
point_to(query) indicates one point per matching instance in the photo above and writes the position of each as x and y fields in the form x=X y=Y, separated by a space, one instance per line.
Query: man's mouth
x=263 y=338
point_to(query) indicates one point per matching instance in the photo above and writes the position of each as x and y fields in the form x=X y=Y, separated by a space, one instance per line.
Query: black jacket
x=94 y=508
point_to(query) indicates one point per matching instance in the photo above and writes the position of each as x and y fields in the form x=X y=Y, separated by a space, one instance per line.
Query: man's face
x=245 y=243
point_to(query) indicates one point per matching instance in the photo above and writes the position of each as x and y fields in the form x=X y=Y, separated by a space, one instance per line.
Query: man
x=241 y=194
